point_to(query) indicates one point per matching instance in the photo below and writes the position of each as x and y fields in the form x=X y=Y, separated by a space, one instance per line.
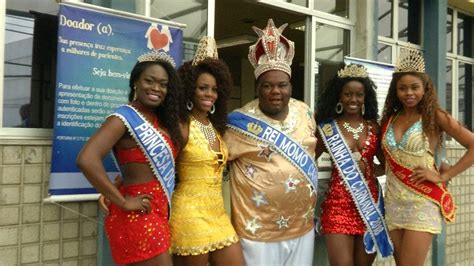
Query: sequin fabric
x=199 y=222
x=339 y=213
x=137 y=236
x=405 y=209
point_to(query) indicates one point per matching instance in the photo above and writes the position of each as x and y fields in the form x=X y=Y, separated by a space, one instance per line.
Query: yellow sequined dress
x=405 y=209
x=199 y=223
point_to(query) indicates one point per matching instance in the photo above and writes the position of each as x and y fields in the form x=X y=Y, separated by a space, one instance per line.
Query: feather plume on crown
x=156 y=56
x=272 y=51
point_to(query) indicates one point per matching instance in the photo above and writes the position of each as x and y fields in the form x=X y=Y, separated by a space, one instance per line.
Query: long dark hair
x=168 y=111
x=330 y=96
x=428 y=106
x=220 y=71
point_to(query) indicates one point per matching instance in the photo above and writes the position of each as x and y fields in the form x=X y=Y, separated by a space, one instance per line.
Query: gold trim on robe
x=271 y=199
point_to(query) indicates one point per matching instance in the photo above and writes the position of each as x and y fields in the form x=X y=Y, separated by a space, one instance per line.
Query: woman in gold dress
x=200 y=227
x=416 y=197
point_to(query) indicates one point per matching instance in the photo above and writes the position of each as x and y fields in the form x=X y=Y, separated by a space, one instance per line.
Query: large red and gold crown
x=272 y=51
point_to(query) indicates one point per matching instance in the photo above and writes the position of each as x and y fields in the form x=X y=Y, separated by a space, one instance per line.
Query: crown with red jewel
x=272 y=51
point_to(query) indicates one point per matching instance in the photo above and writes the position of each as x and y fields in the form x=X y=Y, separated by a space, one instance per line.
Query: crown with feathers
x=272 y=51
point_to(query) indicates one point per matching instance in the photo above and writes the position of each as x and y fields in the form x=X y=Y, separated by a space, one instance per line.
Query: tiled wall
x=37 y=233
x=460 y=235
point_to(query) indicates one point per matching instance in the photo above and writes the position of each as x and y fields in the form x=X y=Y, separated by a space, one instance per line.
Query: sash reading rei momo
x=291 y=150
x=376 y=236
x=153 y=145
x=437 y=193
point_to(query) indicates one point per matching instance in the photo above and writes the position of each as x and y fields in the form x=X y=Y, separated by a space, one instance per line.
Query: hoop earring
x=134 y=93
x=213 y=109
x=189 y=105
x=339 y=108
x=363 y=109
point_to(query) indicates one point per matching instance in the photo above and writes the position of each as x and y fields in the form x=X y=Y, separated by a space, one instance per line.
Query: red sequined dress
x=136 y=236
x=339 y=213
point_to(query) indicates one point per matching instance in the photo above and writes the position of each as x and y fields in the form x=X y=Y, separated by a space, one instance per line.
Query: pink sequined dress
x=339 y=213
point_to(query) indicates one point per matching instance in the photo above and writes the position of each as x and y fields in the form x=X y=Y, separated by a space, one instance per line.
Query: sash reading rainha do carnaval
x=437 y=193
x=376 y=236
x=283 y=144
x=153 y=145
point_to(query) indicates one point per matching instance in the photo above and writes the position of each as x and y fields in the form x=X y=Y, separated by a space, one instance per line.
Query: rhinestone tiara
x=410 y=60
x=207 y=48
x=156 y=56
x=272 y=51
x=353 y=71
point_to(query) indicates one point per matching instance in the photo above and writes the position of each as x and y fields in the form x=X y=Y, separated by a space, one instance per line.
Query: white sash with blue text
x=285 y=146
x=153 y=145
x=376 y=236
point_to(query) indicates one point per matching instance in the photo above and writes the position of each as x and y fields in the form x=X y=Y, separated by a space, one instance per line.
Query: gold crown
x=254 y=128
x=327 y=129
x=410 y=60
x=353 y=71
x=207 y=48
x=272 y=51
x=156 y=56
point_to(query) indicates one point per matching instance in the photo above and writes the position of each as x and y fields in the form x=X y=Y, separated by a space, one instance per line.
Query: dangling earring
x=339 y=108
x=213 y=109
x=189 y=105
x=363 y=109
x=134 y=93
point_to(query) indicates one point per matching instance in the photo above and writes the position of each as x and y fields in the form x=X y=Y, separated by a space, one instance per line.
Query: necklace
x=207 y=130
x=355 y=131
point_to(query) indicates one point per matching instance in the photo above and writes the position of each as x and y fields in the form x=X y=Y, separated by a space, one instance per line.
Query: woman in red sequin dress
x=137 y=224
x=349 y=99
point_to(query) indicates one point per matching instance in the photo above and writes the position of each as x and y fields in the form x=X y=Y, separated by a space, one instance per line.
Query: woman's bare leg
x=228 y=256
x=361 y=258
x=340 y=249
x=163 y=259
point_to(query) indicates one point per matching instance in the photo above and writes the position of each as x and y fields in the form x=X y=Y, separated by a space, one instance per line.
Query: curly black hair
x=167 y=112
x=220 y=71
x=329 y=97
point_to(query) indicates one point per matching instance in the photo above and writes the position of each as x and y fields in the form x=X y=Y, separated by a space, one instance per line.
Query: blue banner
x=376 y=237
x=153 y=145
x=96 y=53
x=290 y=149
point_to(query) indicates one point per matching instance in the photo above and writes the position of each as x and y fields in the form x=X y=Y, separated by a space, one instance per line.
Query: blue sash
x=376 y=237
x=283 y=144
x=153 y=145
